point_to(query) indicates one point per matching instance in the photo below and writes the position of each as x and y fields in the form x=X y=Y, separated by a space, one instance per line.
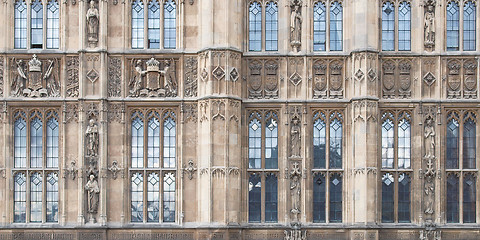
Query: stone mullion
x=62 y=165
x=7 y=160
x=103 y=152
x=81 y=162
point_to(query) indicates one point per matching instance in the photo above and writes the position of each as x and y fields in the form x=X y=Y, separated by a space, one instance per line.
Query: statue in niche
x=53 y=87
x=92 y=138
x=295 y=193
x=93 y=192
x=295 y=138
x=296 y=25
x=429 y=135
x=92 y=23
x=429 y=24
x=429 y=195
x=136 y=81
x=18 y=84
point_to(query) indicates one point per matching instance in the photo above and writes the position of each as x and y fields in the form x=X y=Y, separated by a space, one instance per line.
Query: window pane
x=469 y=144
x=452 y=198
x=336 y=27
x=271 y=144
x=469 y=26
x=36 y=141
x=169 y=143
x=255 y=27
x=20 y=24
x=52 y=143
x=20 y=144
x=452 y=144
x=336 y=143
x=254 y=198
x=20 y=198
x=335 y=214
x=137 y=24
x=52 y=197
x=137 y=142
x=153 y=24
x=403 y=198
x=153 y=143
x=36 y=197
x=36 y=24
x=319 y=27
x=153 y=198
x=404 y=26
x=169 y=25
x=469 y=198
x=52 y=24
x=169 y=197
x=387 y=143
x=388 y=188
x=137 y=197
x=404 y=144
x=271 y=27
x=319 y=143
x=254 y=144
x=271 y=198
x=453 y=14
x=319 y=202
x=388 y=27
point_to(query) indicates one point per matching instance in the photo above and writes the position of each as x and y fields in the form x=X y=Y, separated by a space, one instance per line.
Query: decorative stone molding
x=71 y=112
x=190 y=68
x=203 y=105
x=363 y=170
x=1 y=76
x=219 y=171
x=190 y=169
x=396 y=78
x=295 y=72
x=92 y=110
x=461 y=76
x=218 y=110
x=115 y=112
x=114 y=77
x=234 y=109
x=35 y=77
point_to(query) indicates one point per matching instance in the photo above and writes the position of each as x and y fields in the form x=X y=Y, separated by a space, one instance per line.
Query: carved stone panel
x=396 y=78
x=453 y=79
x=1 y=76
x=263 y=78
x=72 y=76
x=461 y=78
x=152 y=78
x=336 y=79
x=470 y=79
x=190 y=88
x=114 y=77
x=320 y=79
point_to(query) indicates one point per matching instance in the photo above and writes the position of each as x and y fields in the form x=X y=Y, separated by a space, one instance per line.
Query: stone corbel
x=115 y=169
x=233 y=170
x=190 y=169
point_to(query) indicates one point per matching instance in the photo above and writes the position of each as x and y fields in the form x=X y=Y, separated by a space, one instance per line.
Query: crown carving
x=271 y=68
x=319 y=69
x=255 y=68
x=153 y=65
x=470 y=68
x=404 y=67
x=454 y=68
x=336 y=69
x=388 y=68
x=34 y=65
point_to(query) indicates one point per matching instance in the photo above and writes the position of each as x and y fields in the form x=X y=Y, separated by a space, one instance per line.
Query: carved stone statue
x=295 y=138
x=93 y=192
x=170 y=83
x=136 y=81
x=92 y=23
x=429 y=138
x=429 y=24
x=295 y=191
x=296 y=24
x=53 y=87
x=92 y=139
x=429 y=195
x=18 y=83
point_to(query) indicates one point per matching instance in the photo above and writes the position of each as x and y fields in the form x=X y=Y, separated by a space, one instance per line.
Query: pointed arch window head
x=388 y=26
x=255 y=27
x=319 y=141
x=453 y=26
x=20 y=24
x=469 y=26
x=319 y=26
x=336 y=26
x=137 y=24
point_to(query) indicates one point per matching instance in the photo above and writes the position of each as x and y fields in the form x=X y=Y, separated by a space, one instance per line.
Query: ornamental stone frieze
x=35 y=77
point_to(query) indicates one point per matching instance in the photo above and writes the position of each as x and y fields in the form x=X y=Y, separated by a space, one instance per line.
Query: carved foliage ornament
x=152 y=78
x=1 y=76
x=190 y=77
x=72 y=76
x=114 y=77
x=35 y=77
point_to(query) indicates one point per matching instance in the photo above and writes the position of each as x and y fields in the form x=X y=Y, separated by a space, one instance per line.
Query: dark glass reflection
x=319 y=26
x=271 y=198
x=254 y=198
x=255 y=27
x=388 y=27
x=319 y=198
x=469 y=198
x=452 y=199
x=452 y=144
x=335 y=214
x=403 y=198
x=388 y=188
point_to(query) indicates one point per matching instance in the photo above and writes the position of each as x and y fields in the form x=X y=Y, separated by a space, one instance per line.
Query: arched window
x=137 y=24
x=336 y=26
x=319 y=26
x=36 y=178
x=169 y=25
x=36 y=24
x=319 y=141
x=336 y=143
x=159 y=145
x=263 y=158
x=20 y=24
x=271 y=27
x=53 y=13
x=396 y=165
x=255 y=27
x=388 y=27
x=469 y=26
x=153 y=24
x=461 y=175
x=453 y=26
x=404 y=26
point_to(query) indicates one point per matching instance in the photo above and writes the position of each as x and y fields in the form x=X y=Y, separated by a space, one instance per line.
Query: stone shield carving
x=388 y=75
x=255 y=79
x=404 y=79
x=336 y=75
x=320 y=78
x=271 y=81
x=454 y=80
x=470 y=80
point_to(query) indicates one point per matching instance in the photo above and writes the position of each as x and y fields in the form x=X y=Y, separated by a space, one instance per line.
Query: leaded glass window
x=36 y=24
x=404 y=26
x=255 y=27
x=254 y=198
x=335 y=213
x=20 y=197
x=153 y=179
x=169 y=24
x=20 y=24
x=53 y=24
x=469 y=198
x=452 y=198
x=271 y=198
x=388 y=201
x=336 y=26
x=319 y=198
x=469 y=26
x=52 y=197
x=336 y=142
x=388 y=26
x=137 y=24
x=319 y=26
x=271 y=27
x=319 y=140
x=453 y=26
x=153 y=24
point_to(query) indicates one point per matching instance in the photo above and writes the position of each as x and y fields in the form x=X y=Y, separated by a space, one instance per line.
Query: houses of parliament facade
x=239 y=119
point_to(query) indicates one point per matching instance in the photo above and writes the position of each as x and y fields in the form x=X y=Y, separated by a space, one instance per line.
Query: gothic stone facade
x=76 y=163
